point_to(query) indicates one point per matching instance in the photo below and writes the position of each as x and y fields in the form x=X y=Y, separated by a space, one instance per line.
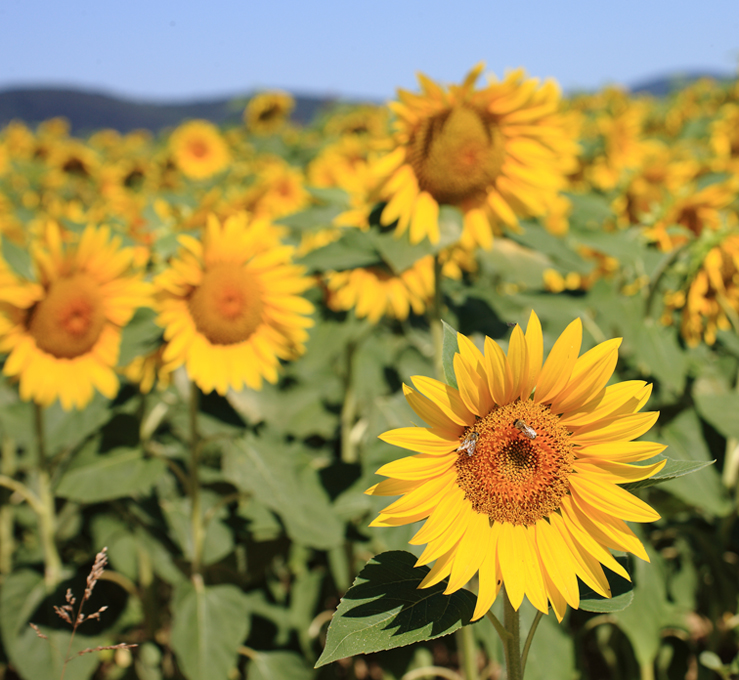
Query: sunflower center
x=227 y=306
x=457 y=154
x=198 y=148
x=521 y=461
x=69 y=320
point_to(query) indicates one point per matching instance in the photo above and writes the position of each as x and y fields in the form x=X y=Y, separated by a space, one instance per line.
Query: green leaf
x=720 y=410
x=278 y=666
x=18 y=258
x=398 y=252
x=318 y=217
x=651 y=611
x=672 y=470
x=280 y=477
x=658 y=353
x=68 y=429
x=353 y=249
x=140 y=336
x=34 y=658
x=449 y=349
x=208 y=625
x=119 y=473
x=38 y=659
x=705 y=491
x=621 y=591
x=385 y=609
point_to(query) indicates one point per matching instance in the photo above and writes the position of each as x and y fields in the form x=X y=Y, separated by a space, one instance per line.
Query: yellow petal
x=420 y=439
x=625 y=428
x=559 y=364
x=617 y=473
x=611 y=499
x=446 y=398
x=489 y=578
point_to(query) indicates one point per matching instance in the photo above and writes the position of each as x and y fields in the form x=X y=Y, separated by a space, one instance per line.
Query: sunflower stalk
x=468 y=651
x=46 y=507
x=437 y=331
x=7 y=541
x=196 y=517
x=349 y=408
x=512 y=642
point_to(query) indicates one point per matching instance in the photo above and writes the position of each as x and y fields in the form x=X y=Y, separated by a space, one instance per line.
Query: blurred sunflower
x=696 y=211
x=711 y=302
x=374 y=292
x=279 y=189
x=199 y=150
x=267 y=112
x=63 y=331
x=517 y=474
x=231 y=306
x=496 y=153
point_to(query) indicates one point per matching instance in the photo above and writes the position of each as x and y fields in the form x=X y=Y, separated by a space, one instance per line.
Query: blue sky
x=180 y=50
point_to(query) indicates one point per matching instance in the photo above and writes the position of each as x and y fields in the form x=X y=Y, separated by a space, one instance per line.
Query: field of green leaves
x=204 y=334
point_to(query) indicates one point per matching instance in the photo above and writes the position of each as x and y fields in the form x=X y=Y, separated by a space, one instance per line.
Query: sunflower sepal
x=385 y=609
x=449 y=348
x=672 y=470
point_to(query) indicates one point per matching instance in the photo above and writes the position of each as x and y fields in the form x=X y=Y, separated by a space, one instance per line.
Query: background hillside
x=89 y=111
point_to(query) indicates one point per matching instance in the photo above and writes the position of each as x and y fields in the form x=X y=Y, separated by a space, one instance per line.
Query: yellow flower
x=278 y=190
x=267 y=112
x=696 y=211
x=517 y=473
x=149 y=370
x=63 y=331
x=199 y=149
x=713 y=294
x=230 y=306
x=374 y=292
x=496 y=153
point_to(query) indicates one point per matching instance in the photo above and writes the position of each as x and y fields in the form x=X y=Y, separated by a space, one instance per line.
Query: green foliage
x=385 y=609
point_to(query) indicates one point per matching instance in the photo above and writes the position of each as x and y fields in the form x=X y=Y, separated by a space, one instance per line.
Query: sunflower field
x=447 y=388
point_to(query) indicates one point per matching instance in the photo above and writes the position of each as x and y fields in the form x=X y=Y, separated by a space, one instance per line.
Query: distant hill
x=664 y=85
x=89 y=111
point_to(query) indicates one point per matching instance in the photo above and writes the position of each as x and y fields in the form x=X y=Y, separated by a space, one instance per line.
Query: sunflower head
x=517 y=473
x=62 y=331
x=496 y=153
x=199 y=150
x=267 y=112
x=231 y=307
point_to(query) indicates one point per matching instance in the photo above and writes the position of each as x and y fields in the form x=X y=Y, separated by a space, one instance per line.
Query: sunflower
x=199 y=149
x=374 y=292
x=696 y=211
x=63 y=331
x=711 y=301
x=230 y=305
x=267 y=112
x=496 y=153
x=517 y=473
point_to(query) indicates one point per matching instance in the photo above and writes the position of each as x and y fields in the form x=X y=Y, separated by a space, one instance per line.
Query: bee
x=526 y=430
x=468 y=443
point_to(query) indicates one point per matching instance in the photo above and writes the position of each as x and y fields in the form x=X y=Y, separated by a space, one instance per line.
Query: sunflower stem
x=467 y=649
x=529 y=640
x=348 y=408
x=46 y=507
x=195 y=502
x=437 y=332
x=512 y=643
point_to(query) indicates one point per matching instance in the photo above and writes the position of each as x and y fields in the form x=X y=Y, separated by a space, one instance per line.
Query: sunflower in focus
x=231 y=307
x=517 y=474
x=267 y=112
x=199 y=150
x=496 y=153
x=374 y=292
x=62 y=332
